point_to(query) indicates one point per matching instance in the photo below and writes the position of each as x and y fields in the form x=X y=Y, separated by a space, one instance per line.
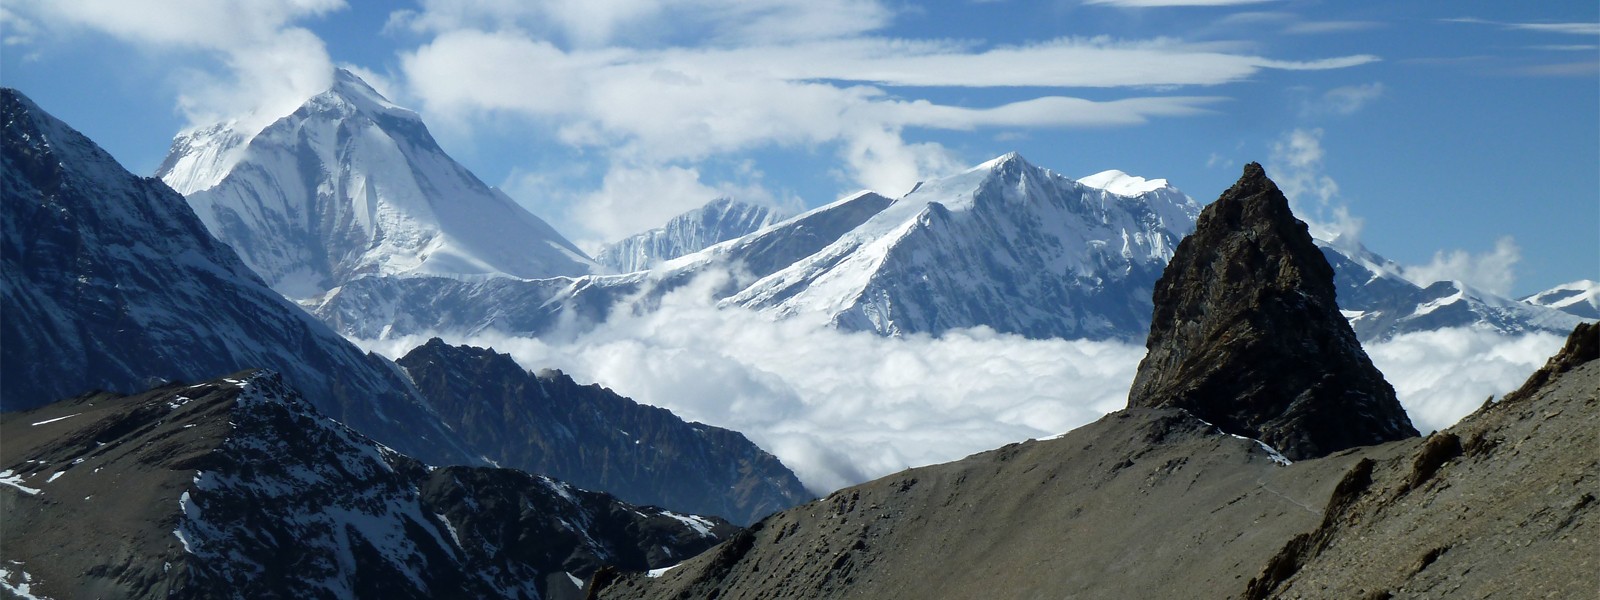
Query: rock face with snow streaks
x=593 y=438
x=1246 y=334
x=237 y=487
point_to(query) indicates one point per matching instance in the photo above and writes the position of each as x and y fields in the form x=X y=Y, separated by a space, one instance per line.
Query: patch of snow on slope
x=18 y=581
x=12 y=479
x=48 y=421
x=699 y=524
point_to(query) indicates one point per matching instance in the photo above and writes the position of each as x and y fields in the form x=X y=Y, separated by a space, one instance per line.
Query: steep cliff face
x=595 y=439
x=237 y=487
x=1246 y=334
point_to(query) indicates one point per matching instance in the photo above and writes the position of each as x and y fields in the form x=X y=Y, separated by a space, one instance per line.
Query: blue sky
x=1459 y=138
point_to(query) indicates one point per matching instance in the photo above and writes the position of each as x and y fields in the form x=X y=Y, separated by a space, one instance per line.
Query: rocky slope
x=718 y=221
x=237 y=487
x=596 y=439
x=350 y=185
x=1247 y=334
x=1158 y=503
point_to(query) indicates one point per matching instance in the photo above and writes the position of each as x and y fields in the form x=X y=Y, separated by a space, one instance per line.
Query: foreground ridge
x=238 y=487
x=1246 y=334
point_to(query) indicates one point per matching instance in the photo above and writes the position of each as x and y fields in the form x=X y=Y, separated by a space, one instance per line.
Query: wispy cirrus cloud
x=1322 y=27
x=669 y=99
x=1343 y=100
x=1171 y=3
x=1570 y=28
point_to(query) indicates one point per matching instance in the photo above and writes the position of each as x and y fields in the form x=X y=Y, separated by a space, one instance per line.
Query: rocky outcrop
x=1247 y=334
x=596 y=439
x=237 y=487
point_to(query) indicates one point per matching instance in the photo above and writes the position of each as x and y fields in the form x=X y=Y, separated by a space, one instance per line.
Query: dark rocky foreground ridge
x=592 y=437
x=1247 y=334
x=236 y=487
x=1155 y=501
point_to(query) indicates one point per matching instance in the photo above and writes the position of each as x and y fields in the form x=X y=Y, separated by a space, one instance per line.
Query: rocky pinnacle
x=1247 y=335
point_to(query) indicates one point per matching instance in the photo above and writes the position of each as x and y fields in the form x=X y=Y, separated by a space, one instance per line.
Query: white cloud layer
x=841 y=408
x=1296 y=166
x=1444 y=375
x=1493 y=271
x=271 y=65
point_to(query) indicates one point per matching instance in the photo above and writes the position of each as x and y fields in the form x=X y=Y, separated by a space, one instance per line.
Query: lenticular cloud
x=844 y=407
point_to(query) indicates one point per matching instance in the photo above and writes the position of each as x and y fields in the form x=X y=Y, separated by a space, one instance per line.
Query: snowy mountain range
x=350 y=206
x=111 y=282
x=1005 y=245
x=350 y=185
x=1381 y=304
x=720 y=220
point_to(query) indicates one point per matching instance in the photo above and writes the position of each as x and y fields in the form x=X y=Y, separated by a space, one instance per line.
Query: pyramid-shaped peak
x=1246 y=334
x=349 y=94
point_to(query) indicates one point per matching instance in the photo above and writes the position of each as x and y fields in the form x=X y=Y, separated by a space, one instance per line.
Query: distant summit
x=351 y=185
x=1247 y=335
x=718 y=221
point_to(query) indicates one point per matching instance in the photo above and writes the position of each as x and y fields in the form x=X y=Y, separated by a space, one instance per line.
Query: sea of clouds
x=841 y=408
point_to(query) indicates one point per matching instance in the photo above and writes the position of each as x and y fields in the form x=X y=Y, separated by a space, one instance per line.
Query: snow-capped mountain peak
x=350 y=185
x=1118 y=182
x=1581 y=298
x=1004 y=244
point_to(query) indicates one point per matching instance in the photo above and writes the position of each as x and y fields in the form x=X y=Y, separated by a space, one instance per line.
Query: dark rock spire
x=1246 y=334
